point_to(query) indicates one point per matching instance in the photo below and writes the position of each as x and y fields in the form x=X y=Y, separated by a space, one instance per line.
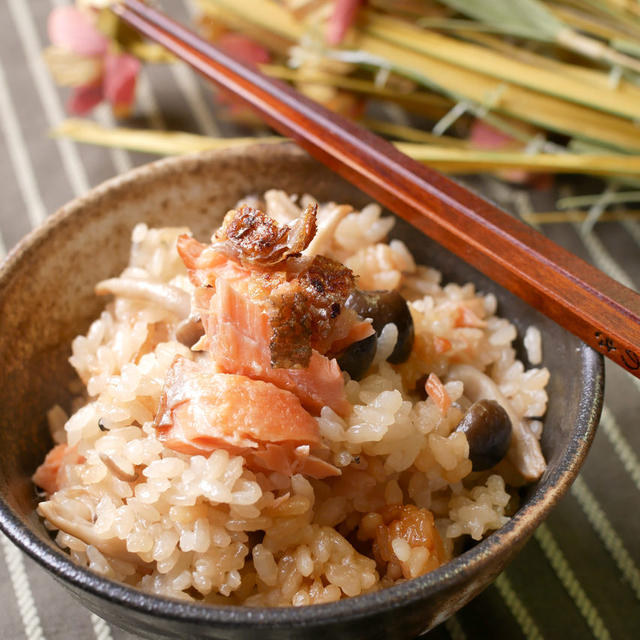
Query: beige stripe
x=620 y=445
x=191 y=8
x=148 y=103
x=101 y=629
x=611 y=540
x=36 y=212
x=562 y=569
x=192 y=89
x=633 y=229
x=103 y=115
x=71 y=161
x=192 y=92
x=624 y=451
x=454 y=629
x=22 y=589
x=17 y=148
x=517 y=608
x=603 y=259
x=48 y=96
x=3 y=248
x=120 y=158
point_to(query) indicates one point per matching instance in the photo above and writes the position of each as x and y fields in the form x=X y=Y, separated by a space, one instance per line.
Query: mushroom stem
x=172 y=298
x=326 y=229
x=189 y=331
x=78 y=528
x=524 y=453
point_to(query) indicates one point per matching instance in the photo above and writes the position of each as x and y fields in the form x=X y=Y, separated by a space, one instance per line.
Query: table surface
x=578 y=577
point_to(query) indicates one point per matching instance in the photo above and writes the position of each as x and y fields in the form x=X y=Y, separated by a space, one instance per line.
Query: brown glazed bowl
x=46 y=298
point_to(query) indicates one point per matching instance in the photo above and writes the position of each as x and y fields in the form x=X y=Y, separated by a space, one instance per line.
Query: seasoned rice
x=208 y=528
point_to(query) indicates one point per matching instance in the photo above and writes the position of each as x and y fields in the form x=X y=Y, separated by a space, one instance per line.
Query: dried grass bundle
x=510 y=87
x=560 y=79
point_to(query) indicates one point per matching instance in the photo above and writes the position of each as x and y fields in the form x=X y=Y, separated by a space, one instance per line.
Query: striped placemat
x=578 y=578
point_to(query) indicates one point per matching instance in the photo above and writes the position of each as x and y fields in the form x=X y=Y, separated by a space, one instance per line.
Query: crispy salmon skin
x=278 y=321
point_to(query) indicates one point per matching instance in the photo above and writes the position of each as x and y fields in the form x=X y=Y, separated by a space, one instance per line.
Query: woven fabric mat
x=577 y=578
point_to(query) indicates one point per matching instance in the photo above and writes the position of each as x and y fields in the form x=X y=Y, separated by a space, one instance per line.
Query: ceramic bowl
x=46 y=298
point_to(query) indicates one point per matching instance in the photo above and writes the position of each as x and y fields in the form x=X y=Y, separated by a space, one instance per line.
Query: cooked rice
x=533 y=344
x=208 y=528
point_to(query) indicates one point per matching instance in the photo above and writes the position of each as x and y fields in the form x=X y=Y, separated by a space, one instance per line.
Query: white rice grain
x=401 y=548
x=533 y=345
x=265 y=565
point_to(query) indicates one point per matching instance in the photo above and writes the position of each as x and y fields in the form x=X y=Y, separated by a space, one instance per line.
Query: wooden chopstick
x=597 y=309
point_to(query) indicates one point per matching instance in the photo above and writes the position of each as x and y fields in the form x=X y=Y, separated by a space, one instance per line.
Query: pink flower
x=343 y=16
x=487 y=138
x=119 y=84
x=72 y=29
x=245 y=50
x=82 y=58
x=484 y=136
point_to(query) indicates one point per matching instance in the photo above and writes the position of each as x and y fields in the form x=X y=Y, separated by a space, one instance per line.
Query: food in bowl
x=292 y=414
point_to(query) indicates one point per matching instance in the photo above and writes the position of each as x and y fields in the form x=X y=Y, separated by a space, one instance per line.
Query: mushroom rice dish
x=292 y=413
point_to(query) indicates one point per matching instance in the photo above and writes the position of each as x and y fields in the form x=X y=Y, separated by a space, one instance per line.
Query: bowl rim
x=471 y=562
